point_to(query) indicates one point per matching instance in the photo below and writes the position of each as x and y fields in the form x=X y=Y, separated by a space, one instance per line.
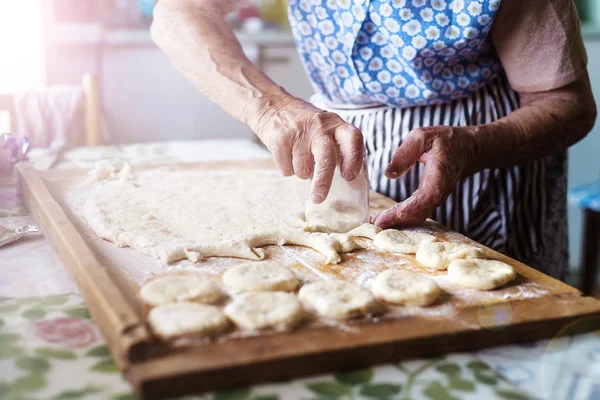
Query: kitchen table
x=50 y=348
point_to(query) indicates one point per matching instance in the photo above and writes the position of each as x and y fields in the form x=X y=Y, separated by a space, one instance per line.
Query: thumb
x=406 y=155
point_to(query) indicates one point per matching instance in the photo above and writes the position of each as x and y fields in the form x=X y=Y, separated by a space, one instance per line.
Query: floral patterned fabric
x=49 y=349
x=400 y=52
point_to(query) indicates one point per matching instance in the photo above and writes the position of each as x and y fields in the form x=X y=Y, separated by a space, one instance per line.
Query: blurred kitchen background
x=144 y=99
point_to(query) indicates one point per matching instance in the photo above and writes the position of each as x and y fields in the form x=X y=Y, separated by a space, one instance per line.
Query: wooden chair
x=92 y=110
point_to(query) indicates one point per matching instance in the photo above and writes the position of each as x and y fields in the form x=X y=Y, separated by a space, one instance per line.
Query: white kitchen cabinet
x=283 y=65
x=146 y=99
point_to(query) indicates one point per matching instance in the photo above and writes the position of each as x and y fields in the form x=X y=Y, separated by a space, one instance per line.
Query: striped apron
x=519 y=211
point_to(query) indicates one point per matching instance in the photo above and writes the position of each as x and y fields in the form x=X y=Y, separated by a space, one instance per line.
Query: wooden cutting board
x=535 y=306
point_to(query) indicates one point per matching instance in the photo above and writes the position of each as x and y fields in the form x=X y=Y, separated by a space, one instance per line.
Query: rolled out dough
x=175 y=288
x=187 y=319
x=480 y=274
x=405 y=287
x=190 y=214
x=260 y=310
x=260 y=276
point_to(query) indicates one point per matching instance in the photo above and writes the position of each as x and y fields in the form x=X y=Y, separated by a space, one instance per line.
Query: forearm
x=545 y=124
x=198 y=41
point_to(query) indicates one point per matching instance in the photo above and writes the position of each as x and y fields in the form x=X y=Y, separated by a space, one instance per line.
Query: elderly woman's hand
x=447 y=153
x=306 y=141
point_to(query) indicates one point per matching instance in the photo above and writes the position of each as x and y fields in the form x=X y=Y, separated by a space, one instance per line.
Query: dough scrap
x=405 y=287
x=260 y=310
x=340 y=300
x=480 y=274
x=209 y=214
x=330 y=245
x=187 y=319
x=365 y=230
x=175 y=288
x=260 y=276
x=105 y=171
x=404 y=241
x=437 y=255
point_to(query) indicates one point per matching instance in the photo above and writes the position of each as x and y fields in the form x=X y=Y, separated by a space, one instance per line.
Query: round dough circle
x=174 y=288
x=259 y=310
x=185 y=319
x=405 y=287
x=437 y=255
x=338 y=299
x=260 y=277
x=404 y=241
x=480 y=274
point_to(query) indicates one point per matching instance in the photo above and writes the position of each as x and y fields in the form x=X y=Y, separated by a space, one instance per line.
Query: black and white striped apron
x=519 y=211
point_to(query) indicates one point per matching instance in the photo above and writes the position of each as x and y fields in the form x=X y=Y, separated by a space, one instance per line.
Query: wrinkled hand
x=304 y=141
x=447 y=153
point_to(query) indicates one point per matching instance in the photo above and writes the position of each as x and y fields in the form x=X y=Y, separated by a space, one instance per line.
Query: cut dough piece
x=338 y=299
x=187 y=319
x=405 y=287
x=437 y=255
x=260 y=276
x=480 y=274
x=175 y=288
x=365 y=230
x=402 y=241
x=260 y=310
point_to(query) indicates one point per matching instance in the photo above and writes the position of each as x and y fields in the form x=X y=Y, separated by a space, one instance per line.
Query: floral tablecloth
x=50 y=348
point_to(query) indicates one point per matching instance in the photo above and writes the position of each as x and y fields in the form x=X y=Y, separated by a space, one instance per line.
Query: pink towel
x=51 y=117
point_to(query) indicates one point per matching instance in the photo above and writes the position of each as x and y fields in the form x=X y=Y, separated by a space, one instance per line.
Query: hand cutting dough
x=260 y=310
x=480 y=274
x=338 y=299
x=405 y=241
x=187 y=319
x=175 y=288
x=209 y=214
x=405 y=287
x=365 y=230
x=260 y=276
x=437 y=255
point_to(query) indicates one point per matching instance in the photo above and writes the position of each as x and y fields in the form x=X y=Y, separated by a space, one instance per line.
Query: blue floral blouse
x=397 y=52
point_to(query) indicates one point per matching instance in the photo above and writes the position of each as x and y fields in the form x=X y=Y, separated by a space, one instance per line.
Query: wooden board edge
x=174 y=376
x=123 y=329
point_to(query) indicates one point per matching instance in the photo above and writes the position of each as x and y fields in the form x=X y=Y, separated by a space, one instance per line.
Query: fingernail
x=317 y=198
x=391 y=173
x=382 y=224
x=349 y=175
